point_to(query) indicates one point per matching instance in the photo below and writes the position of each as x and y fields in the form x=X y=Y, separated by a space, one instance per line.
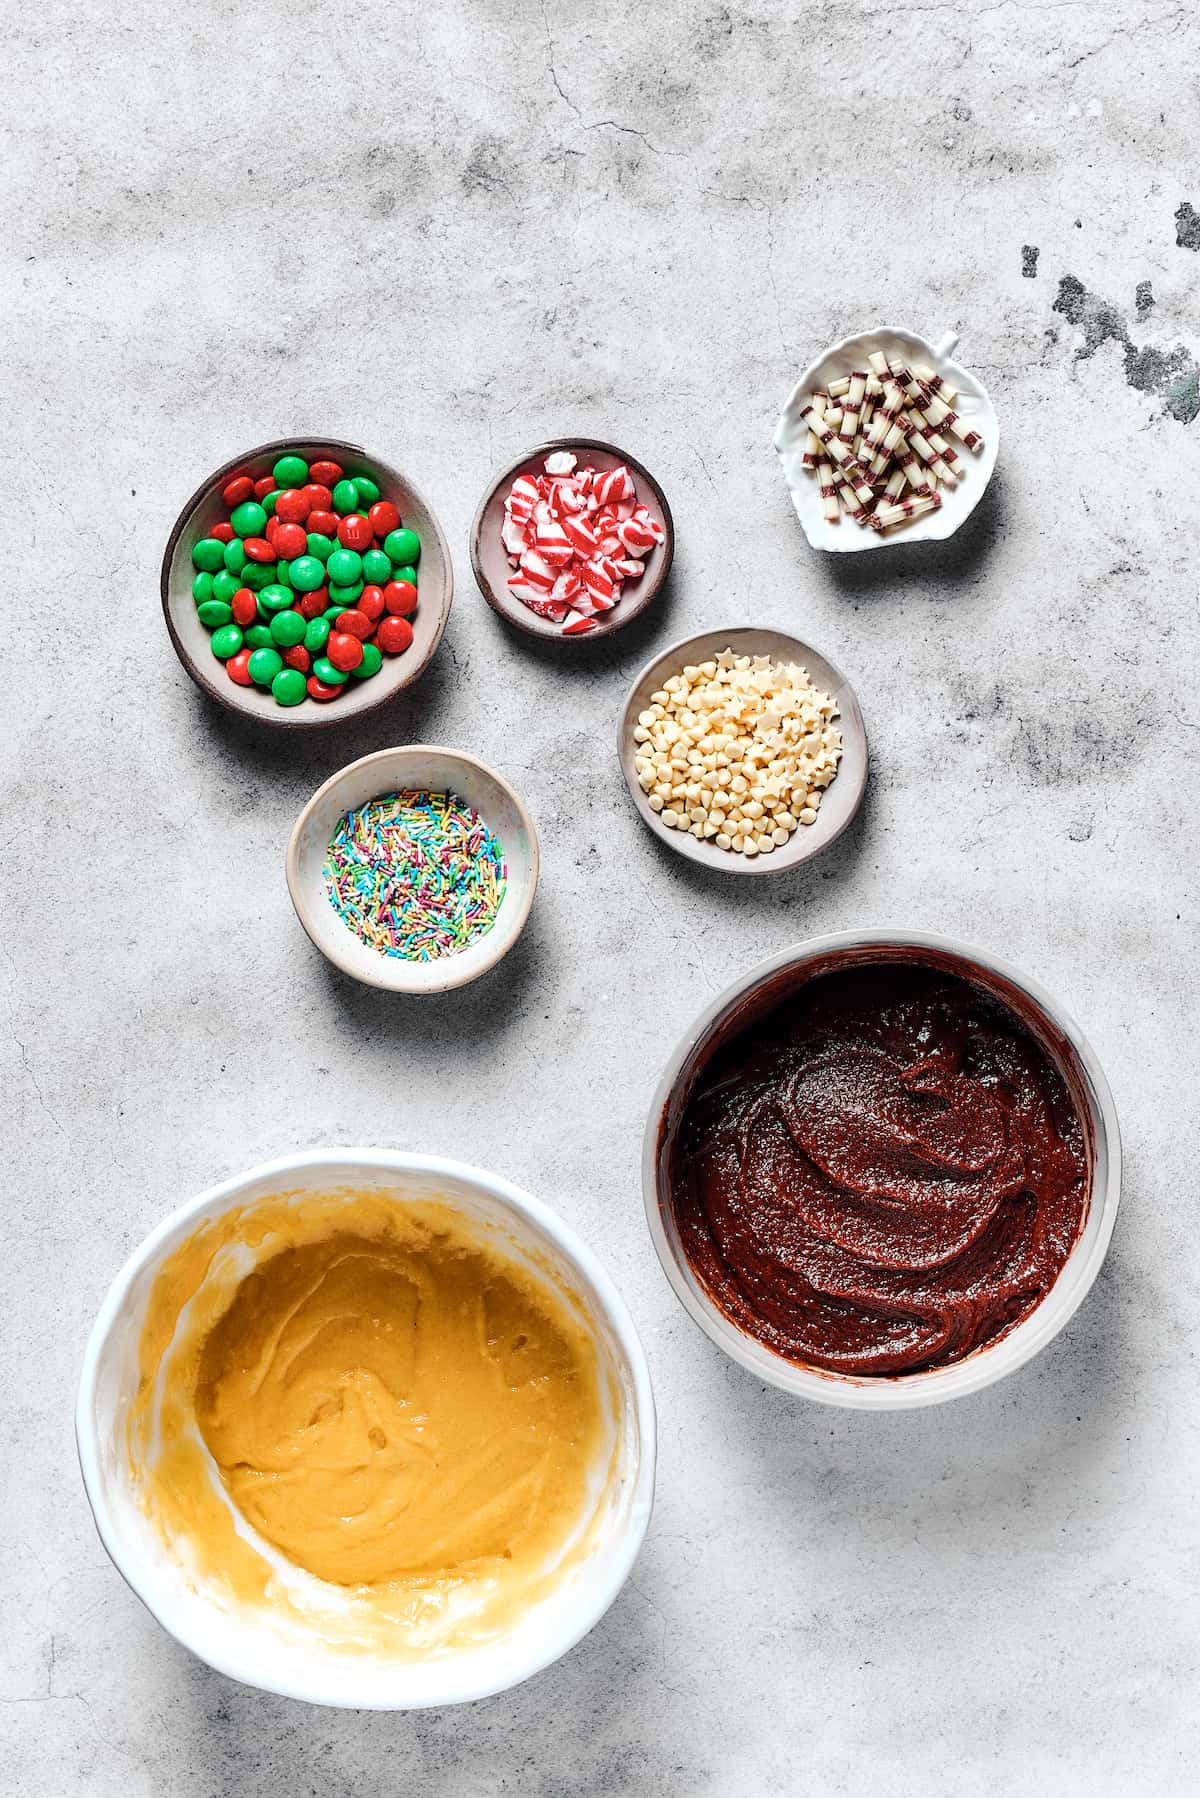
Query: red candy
x=311 y=605
x=328 y=473
x=393 y=636
x=574 y=537
x=400 y=597
x=290 y=541
x=319 y=497
x=236 y=489
x=238 y=668
x=292 y=506
x=258 y=549
x=265 y=486
x=224 y=533
x=383 y=517
x=355 y=624
x=370 y=603
x=317 y=689
x=354 y=532
x=343 y=650
x=323 y=523
x=297 y=657
x=244 y=607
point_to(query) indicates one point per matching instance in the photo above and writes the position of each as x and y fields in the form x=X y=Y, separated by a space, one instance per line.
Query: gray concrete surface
x=451 y=231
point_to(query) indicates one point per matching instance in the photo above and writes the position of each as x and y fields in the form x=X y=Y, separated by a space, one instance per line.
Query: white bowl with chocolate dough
x=972 y=404
x=159 y=1469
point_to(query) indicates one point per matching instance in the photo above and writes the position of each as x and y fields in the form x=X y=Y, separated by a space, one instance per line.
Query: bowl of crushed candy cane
x=414 y=869
x=573 y=540
x=884 y=438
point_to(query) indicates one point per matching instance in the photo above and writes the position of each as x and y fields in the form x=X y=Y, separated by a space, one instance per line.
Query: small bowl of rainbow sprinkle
x=414 y=869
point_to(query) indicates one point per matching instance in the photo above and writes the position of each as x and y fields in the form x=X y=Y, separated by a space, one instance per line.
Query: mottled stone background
x=450 y=231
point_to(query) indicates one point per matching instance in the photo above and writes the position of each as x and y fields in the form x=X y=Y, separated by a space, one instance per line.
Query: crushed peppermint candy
x=574 y=537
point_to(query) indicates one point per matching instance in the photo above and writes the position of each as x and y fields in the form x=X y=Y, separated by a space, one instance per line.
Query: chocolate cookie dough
x=882 y=1175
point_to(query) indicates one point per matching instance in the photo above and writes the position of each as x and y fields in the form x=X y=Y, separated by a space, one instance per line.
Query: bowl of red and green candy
x=306 y=581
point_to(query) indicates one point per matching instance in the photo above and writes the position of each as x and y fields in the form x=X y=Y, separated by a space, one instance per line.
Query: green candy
x=208 y=554
x=344 y=596
x=367 y=492
x=235 y=556
x=291 y=471
x=257 y=575
x=259 y=637
x=345 y=498
x=225 y=585
x=344 y=567
x=248 y=520
x=316 y=635
x=334 y=613
x=212 y=613
x=263 y=666
x=320 y=547
x=269 y=502
x=405 y=574
x=371 y=663
x=403 y=546
x=287 y=629
x=289 y=687
x=324 y=670
x=307 y=573
x=377 y=567
x=226 y=642
x=283 y=574
x=274 y=598
x=202 y=587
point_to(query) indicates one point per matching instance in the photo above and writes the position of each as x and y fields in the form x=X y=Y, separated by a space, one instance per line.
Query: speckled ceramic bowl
x=958 y=503
x=193 y=643
x=759 y=991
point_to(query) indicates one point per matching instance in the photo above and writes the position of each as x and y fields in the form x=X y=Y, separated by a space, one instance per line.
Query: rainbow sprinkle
x=417 y=875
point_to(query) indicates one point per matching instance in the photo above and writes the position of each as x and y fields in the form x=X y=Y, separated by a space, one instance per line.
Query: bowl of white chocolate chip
x=884 y=438
x=744 y=750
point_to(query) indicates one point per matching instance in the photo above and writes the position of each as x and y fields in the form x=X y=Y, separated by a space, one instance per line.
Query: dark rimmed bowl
x=192 y=642
x=489 y=558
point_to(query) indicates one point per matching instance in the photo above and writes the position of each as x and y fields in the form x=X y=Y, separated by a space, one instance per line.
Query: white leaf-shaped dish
x=972 y=404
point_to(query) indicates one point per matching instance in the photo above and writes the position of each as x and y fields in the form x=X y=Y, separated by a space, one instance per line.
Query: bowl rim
x=283 y=717
x=941 y=351
x=395 y=984
x=682 y=842
x=626 y=1546
x=516 y=613
x=933 y=1385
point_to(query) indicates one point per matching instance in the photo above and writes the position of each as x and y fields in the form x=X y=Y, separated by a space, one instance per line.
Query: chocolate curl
x=880 y=367
x=867 y=414
x=829 y=500
x=881 y=424
x=901 y=510
x=927 y=453
x=938 y=413
x=812 y=447
x=846 y=494
x=839 y=387
x=895 y=485
x=874 y=387
x=893 y=436
x=833 y=417
x=918 y=406
x=935 y=382
x=913 y=473
x=839 y=455
x=852 y=409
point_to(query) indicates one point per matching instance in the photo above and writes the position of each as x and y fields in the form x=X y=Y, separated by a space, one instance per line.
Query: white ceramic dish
x=438 y=770
x=307 y=1668
x=764 y=986
x=843 y=796
x=972 y=403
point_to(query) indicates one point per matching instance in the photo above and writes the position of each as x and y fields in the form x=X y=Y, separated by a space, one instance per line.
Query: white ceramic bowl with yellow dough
x=188 y=1456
